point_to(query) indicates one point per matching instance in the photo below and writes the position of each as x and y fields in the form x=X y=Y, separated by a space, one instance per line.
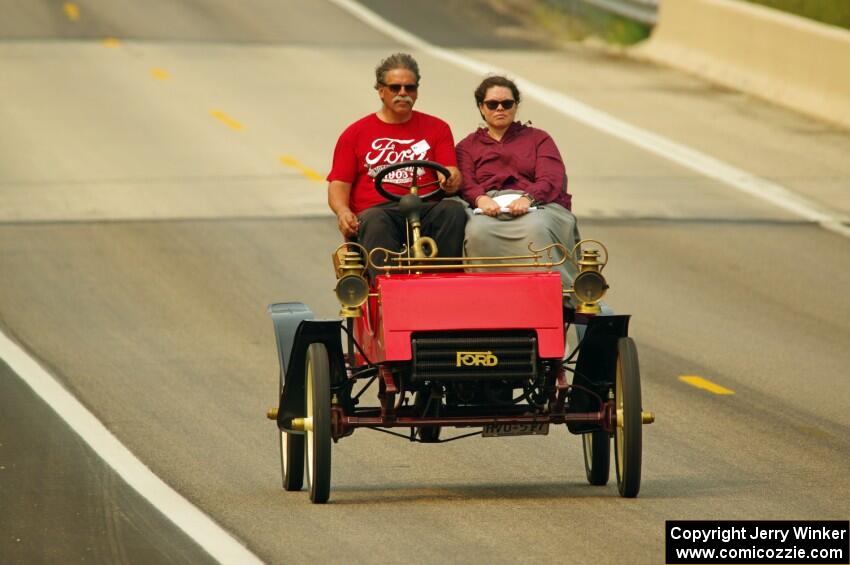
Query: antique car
x=421 y=333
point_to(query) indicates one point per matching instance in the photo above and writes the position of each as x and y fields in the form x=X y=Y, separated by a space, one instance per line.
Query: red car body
x=404 y=304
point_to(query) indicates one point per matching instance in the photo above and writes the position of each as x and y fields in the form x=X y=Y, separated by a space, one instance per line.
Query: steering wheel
x=415 y=165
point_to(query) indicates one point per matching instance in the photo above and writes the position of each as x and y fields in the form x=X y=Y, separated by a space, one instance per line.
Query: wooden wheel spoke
x=397 y=185
x=427 y=184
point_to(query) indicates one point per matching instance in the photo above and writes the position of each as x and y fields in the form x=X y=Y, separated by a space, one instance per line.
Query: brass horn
x=424 y=247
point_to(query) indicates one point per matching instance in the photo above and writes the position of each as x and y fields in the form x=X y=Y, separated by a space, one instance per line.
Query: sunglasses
x=396 y=88
x=493 y=104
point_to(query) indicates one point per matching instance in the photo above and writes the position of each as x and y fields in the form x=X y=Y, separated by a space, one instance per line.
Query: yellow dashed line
x=292 y=162
x=226 y=120
x=72 y=11
x=111 y=42
x=160 y=74
x=705 y=384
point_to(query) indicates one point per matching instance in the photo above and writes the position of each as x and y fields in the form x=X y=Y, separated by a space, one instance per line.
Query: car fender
x=286 y=316
x=596 y=366
x=296 y=331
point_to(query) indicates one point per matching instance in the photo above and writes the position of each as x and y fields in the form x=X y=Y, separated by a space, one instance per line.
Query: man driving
x=395 y=133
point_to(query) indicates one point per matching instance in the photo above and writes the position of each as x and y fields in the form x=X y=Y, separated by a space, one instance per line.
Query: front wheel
x=291 y=457
x=628 y=429
x=597 y=456
x=292 y=460
x=318 y=423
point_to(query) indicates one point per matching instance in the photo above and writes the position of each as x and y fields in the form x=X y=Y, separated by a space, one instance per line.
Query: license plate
x=500 y=430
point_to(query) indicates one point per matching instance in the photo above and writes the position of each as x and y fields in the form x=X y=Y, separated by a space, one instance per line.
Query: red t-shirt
x=369 y=145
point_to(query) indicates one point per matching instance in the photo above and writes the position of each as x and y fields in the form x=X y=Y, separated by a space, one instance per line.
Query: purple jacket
x=525 y=159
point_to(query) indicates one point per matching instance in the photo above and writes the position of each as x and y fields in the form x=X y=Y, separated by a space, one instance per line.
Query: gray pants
x=487 y=236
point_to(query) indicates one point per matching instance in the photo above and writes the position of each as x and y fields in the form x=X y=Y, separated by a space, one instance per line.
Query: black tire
x=291 y=457
x=317 y=441
x=597 y=457
x=427 y=434
x=628 y=434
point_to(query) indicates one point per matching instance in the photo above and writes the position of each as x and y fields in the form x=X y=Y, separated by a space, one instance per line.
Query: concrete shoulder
x=784 y=58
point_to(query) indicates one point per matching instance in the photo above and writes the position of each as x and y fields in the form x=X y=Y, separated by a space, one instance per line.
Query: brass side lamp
x=352 y=288
x=589 y=286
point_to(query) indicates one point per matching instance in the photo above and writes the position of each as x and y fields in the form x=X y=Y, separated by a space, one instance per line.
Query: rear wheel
x=628 y=430
x=427 y=434
x=597 y=456
x=291 y=457
x=318 y=423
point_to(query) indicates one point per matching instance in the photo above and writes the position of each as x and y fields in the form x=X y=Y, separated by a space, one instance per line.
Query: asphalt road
x=62 y=504
x=158 y=190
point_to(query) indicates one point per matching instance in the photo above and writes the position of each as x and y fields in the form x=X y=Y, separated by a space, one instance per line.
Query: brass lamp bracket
x=348 y=259
x=593 y=258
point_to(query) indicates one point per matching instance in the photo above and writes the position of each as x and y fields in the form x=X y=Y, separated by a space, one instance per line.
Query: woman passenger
x=509 y=158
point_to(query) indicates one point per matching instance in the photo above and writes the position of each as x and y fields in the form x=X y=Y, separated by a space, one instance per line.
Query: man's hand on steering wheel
x=452 y=183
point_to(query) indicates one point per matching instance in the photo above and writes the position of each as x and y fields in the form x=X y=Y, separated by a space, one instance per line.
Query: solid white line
x=186 y=516
x=706 y=165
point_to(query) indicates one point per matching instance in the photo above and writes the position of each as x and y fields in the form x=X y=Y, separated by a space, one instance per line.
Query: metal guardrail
x=643 y=11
